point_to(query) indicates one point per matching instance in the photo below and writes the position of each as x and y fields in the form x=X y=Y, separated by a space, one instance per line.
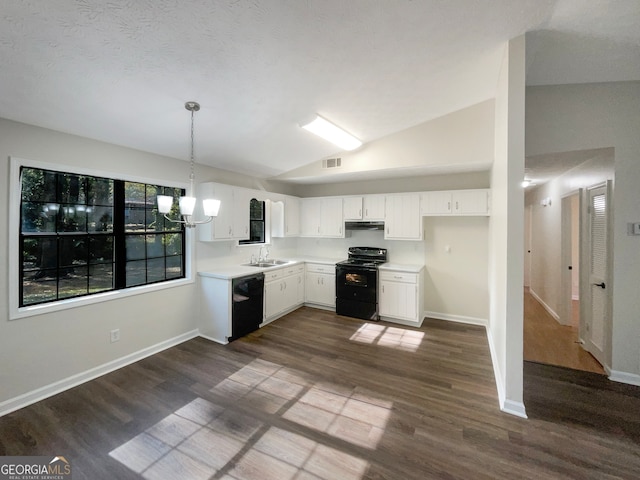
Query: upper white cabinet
x=352 y=208
x=402 y=217
x=369 y=207
x=321 y=217
x=285 y=217
x=232 y=221
x=456 y=202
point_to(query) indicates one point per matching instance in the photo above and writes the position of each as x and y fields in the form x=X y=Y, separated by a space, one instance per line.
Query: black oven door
x=356 y=291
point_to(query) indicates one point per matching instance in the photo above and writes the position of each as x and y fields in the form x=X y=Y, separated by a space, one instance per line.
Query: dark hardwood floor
x=318 y=396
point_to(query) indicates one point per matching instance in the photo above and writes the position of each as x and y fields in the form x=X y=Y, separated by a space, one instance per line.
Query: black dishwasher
x=247 y=298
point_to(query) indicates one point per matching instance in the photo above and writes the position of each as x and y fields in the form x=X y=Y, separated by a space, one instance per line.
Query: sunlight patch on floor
x=392 y=337
x=203 y=439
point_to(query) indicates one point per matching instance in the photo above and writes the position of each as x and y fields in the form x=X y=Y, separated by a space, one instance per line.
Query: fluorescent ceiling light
x=334 y=134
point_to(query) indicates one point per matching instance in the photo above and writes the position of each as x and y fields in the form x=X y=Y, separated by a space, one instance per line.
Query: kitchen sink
x=267 y=263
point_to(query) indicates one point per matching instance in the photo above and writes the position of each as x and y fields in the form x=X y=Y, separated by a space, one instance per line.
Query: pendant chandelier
x=187 y=204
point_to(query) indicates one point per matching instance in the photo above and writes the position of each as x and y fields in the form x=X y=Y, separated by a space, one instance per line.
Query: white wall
x=578 y=117
x=37 y=351
x=506 y=231
x=457 y=268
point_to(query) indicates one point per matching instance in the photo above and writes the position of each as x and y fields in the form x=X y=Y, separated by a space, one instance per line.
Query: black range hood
x=357 y=225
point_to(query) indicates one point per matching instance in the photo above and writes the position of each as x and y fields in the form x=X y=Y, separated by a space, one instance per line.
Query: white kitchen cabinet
x=241 y=214
x=283 y=290
x=369 y=207
x=402 y=217
x=321 y=217
x=232 y=221
x=320 y=285
x=285 y=217
x=374 y=207
x=456 y=202
x=401 y=296
x=352 y=208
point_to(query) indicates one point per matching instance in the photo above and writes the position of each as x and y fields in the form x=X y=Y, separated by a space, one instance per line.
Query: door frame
x=566 y=248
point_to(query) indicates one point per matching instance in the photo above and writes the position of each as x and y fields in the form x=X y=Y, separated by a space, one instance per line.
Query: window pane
x=73 y=251
x=134 y=217
x=256 y=210
x=71 y=189
x=40 y=253
x=99 y=191
x=174 y=267
x=40 y=286
x=39 y=217
x=73 y=282
x=135 y=247
x=155 y=248
x=72 y=218
x=100 y=219
x=136 y=273
x=100 y=277
x=155 y=270
x=101 y=249
x=173 y=243
x=38 y=185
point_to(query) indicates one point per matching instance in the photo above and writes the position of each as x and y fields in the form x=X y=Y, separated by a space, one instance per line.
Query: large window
x=82 y=234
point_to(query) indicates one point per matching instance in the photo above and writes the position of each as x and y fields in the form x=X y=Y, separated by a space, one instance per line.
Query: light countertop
x=229 y=272
x=399 y=267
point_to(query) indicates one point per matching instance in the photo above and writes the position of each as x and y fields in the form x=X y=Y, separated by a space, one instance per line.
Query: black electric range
x=357 y=282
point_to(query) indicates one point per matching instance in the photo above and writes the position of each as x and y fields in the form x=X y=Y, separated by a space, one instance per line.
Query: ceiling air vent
x=332 y=163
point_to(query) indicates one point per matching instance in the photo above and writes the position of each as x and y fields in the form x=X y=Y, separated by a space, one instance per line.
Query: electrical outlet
x=115 y=335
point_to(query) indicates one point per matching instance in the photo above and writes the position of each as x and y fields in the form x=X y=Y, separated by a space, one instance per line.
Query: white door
x=598 y=311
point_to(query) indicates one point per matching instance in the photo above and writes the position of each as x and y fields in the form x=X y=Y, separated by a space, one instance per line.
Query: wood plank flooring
x=319 y=396
x=547 y=341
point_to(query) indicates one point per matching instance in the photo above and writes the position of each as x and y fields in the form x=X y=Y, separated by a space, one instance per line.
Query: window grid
x=74 y=230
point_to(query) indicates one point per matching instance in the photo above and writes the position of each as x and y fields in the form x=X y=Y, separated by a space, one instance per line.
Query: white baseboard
x=514 y=408
x=216 y=340
x=456 y=318
x=41 y=393
x=545 y=306
x=506 y=406
x=624 y=377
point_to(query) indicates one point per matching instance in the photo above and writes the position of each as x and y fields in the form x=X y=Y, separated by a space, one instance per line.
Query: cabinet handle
x=382 y=288
x=448 y=205
x=230 y=230
x=456 y=205
x=366 y=212
x=397 y=276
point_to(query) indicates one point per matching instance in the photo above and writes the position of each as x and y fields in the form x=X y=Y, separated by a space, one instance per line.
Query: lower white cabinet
x=401 y=295
x=320 y=285
x=283 y=290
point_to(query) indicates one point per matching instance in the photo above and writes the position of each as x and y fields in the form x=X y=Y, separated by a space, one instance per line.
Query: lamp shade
x=164 y=203
x=187 y=204
x=211 y=207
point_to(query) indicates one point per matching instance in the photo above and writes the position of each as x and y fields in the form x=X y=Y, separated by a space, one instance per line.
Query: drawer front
x=294 y=270
x=401 y=277
x=321 y=268
x=271 y=275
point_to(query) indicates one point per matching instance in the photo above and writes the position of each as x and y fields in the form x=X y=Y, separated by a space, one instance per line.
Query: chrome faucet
x=265 y=257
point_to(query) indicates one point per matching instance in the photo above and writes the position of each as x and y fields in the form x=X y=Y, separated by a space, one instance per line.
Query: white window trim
x=17 y=312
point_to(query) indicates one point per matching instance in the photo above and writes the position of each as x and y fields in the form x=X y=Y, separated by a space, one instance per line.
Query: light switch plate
x=636 y=228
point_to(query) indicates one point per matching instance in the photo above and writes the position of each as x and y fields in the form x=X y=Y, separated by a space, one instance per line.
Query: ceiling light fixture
x=187 y=204
x=334 y=134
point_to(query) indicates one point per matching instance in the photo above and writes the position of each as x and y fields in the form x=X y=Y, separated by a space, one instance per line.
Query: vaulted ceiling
x=120 y=71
